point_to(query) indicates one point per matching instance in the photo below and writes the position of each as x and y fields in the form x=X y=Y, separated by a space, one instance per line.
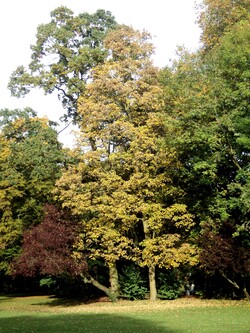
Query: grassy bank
x=47 y=315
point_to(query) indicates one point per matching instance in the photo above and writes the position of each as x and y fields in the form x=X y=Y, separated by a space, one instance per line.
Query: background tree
x=216 y=17
x=208 y=112
x=224 y=254
x=231 y=86
x=191 y=126
x=31 y=159
x=66 y=49
x=12 y=187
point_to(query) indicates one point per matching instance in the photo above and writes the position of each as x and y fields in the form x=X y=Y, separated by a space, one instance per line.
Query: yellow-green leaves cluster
x=168 y=251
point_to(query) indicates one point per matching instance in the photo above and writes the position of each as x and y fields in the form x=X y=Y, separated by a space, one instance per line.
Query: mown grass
x=49 y=315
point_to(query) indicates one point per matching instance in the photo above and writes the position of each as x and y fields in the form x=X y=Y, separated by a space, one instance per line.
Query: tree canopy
x=207 y=95
x=216 y=17
x=66 y=49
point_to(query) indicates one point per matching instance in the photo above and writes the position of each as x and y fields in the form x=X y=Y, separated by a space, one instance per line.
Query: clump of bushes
x=133 y=284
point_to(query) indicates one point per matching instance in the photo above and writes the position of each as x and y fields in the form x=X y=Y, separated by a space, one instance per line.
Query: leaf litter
x=45 y=304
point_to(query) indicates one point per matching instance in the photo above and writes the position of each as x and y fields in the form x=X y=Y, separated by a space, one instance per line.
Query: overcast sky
x=170 y=22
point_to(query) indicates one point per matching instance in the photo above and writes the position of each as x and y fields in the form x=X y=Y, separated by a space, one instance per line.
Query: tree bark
x=114 y=282
x=237 y=286
x=152 y=284
x=230 y=281
x=114 y=290
x=98 y=285
x=246 y=294
x=151 y=268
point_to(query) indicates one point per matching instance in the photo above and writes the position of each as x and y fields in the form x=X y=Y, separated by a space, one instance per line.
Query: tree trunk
x=114 y=282
x=98 y=285
x=151 y=268
x=152 y=284
x=237 y=286
x=114 y=290
x=231 y=281
x=246 y=294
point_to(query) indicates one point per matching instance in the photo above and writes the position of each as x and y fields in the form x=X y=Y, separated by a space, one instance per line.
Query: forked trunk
x=114 y=290
x=95 y=283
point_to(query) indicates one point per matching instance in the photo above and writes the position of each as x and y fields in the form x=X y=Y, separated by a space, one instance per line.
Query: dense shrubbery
x=133 y=284
x=170 y=285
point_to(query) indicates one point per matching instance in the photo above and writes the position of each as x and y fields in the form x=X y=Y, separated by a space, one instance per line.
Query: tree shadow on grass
x=62 y=302
x=4 y=299
x=54 y=301
x=80 y=323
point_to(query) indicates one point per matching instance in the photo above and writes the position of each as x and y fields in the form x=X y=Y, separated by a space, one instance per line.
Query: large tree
x=122 y=186
x=66 y=49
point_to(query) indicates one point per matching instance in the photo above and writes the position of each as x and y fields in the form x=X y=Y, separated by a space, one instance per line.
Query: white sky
x=170 y=22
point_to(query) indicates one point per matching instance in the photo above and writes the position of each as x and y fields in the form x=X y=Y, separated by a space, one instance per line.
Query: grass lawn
x=189 y=315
